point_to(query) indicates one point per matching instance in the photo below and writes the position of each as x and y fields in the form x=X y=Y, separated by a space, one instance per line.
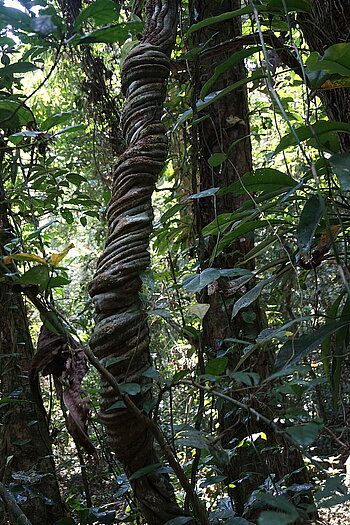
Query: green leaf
x=115 y=360
x=38 y=275
x=144 y=471
x=15 y=18
x=217 y=159
x=205 y=193
x=180 y=520
x=263 y=179
x=116 y=406
x=305 y=434
x=109 y=35
x=308 y=222
x=296 y=349
x=75 y=178
x=269 y=517
x=151 y=372
x=222 y=68
x=199 y=309
x=18 y=67
x=248 y=298
x=247 y=378
x=273 y=6
x=244 y=228
x=180 y=375
x=341 y=167
x=130 y=388
x=70 y=129
x=192 y=438
x=336 y=60
x=216 y=366
x=217 y=95
x=14 y=115
x=196 y=283
x=58 y=282
x=279 y=502
x=320 y=129
x=57 y=118
x=102 y=11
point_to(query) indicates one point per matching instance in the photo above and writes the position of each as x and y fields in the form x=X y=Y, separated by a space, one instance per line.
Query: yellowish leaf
x=24 y=257
x=55 y=258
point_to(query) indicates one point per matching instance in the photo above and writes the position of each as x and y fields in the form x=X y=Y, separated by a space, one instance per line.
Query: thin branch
x=12 y=506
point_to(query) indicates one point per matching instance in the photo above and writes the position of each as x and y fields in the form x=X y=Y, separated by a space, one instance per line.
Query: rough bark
x=121 y=330
x=326 y=25
x=26 y=461
x=228 y=122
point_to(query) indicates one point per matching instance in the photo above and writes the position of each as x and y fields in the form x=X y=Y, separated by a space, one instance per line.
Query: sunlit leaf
x=55 y=258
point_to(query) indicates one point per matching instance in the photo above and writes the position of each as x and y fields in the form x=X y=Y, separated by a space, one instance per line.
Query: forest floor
x=339 y=515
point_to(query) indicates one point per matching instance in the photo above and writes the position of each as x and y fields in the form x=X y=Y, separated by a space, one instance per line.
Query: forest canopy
x=174 y=283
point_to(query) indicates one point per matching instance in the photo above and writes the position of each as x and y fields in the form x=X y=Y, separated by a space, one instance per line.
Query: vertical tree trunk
x=121 y=332
x=26 y=462
x=326 y=25
x=227 y=123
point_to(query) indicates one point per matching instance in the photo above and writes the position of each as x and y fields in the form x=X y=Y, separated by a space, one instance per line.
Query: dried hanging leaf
x=55 y=258
x=67 y=364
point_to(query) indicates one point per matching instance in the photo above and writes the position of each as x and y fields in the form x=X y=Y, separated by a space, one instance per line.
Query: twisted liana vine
x=121 y=339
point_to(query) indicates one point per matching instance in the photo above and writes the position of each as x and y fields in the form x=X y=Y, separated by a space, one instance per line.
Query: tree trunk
x=26 y=462
x=326 y=25
x=121 y=331
x=227 y=123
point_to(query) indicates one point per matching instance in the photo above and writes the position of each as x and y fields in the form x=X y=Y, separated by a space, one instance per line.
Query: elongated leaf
x=269 y=517
x=55 y=258
x=319 y=129
x=234 y=59
x=309 y=219
x=296 y=349
x=144 y=471
x=244 y=228
x=217 y=95
x=199 y=309
x=57 y=118
x=341 y=166
x=273 y=6
x=9 y=16
x=24 y=257
x=18 y=67
x=248 y=298
x=109 y=35
x=263 y=179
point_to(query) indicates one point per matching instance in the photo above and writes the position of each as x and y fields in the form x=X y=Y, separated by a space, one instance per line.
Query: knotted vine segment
x=121 y=339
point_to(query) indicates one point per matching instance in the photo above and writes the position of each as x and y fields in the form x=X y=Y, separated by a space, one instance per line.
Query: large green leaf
x=317 y=130
x=308 y=222
x=17 y=67
x=145 y=471
x=263 y=179
x=225 y=66
x=54 y=120
x=217 y=366
x=9 y=16
x=296 y=349
x=38 y=275
x=14 y=115
x=109 y=35
x=102 y=11
x=273 y=6
x=305 y=434
x=336 y=60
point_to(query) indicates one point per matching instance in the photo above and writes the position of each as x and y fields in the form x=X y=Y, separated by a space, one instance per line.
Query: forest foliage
x=60 y=106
